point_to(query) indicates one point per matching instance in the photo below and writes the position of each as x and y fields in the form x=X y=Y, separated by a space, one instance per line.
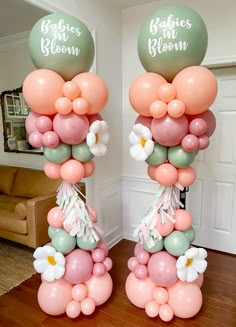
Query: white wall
x=219 y=17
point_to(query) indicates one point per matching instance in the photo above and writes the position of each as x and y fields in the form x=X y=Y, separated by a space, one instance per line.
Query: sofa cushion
x=7 y=178
x=30 y=183
x=20 y=210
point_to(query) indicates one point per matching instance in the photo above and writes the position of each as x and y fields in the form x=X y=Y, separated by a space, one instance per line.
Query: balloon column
x=172 y=99
x=65 y=100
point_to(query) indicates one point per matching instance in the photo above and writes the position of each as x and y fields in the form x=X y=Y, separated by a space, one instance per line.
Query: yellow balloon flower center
x=96 y=138
x=189 y=262
x=143 y=142
x=51 y=260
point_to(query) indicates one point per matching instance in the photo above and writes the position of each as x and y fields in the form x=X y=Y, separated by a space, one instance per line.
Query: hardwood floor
x=19 y=307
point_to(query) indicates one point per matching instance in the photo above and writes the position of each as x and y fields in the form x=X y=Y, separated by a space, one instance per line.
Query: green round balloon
x=85 y=244
x=158 y=246
x=59 y=154
x=52 y=231
x=180 y=158
x=63 y=242
x=62 y=43
x=81 y=152
x=158 y=156
x=176 y=243
x=190 y=234
x=171 y=39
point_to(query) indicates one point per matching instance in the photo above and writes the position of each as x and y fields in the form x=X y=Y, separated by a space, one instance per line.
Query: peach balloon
x=52 y=170
x=99 y=288
x=166 y=92
x=160 y=295
x=197 y=87
x=186 y=176
x=166 y=313
x=152 y=309
x=71 y=90
x=199 y=281
x=89 y=168
x=151 y=172
x=166 y=228
x=176 y=108
x=93 y=89
x=144 y=91
x=183 y=219
x=41 y=88
x=88 y=306
x=166 y=174
x=55 y=217
x=72 y=171
x=80 y=106
x=158 y=109
x=73 y=309
x=79 y=292
x=63 y=105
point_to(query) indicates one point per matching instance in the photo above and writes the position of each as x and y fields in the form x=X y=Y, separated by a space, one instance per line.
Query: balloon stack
x=65 y=101
x=172 y=99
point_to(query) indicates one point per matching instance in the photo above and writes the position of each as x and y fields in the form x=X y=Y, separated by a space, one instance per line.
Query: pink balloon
x=41 y=88
x=166 y=92
x=162 y=268
x=73 y=309
x=99 y=288
x=198 y=127
x=166 y=174
x=30 y=122
x=185 y=299
x=132 y=263
x=190 y=143
x=36 y=139
x=139 y=291
x=197 y=87
x=143 y=257
x=71 y=128
x=93 y=90
x=166 y=228
x=169 y=131
x=166 y=313
x=138 y=247
x=98 y=255
x=108 y=263
x=80 y=106
x=88 y=306
x=152 y=309
x=54 y=297
x=199 y=281
x=43 y=124
x=55 y=217
x=160 y=295
x=144 y=91
x=63 y=105
x=52 y=170
x=210 y=120
x=79 y=292
x=92 y=118
x=99 y=269
x=140 y=271
x=183 y=220
x=146 y=121
x=89 y=168
x=50 y=139
x=79 y=266
x=72 y=171
x=204 y=142
x=186 y=176
x=71 y=90
x=102 y=244
x=158 y=109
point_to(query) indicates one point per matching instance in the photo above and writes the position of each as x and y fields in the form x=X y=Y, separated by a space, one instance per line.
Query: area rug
x=16 y=265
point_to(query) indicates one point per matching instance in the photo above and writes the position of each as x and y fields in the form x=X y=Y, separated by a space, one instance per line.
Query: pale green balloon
x=63 y=242
x=158 y=246
x=180 y=158
x=158 y=156
x=52 y=231
x=176 y=243
x=81 y=152
x=190 y=234
x=59 y=154
x=85 y=244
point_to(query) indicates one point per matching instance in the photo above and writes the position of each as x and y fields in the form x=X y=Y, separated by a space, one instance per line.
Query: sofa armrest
x=37 y=210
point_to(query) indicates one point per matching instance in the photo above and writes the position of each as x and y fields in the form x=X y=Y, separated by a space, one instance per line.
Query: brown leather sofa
x=26 y=196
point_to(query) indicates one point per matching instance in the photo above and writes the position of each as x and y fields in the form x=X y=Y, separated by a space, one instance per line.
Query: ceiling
x=17 y=16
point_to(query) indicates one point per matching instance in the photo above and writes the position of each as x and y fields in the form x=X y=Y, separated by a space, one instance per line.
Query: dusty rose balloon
x=139 y=291
x=152 y=309
x=166 y=313
x=210 y=120
x=71 y=128
x=52 y=170
x=36 y=139
x=197 y=127
x=108 y=263
x=132 y=263
x=50 y=139
x=30 y=122
x=183 y=219
x=190 y=143
x=54 y=297
x=140 y=271
x=166 y=174
x=102 y=244
x=63 y=105
x=99 y=288
x=98 y=255
x=94 y=117
x=162 y=268
x=72 y=171
x=43 y=124
x=55 y=217
x=144 y=91
x=99 y=269
x=169 y=131
x=204 y=142
x=143 y=257
x=138 y=247
x=146 y=121
x=73 y=309
x=79 y=266
x=185 y=299
x=186 y=176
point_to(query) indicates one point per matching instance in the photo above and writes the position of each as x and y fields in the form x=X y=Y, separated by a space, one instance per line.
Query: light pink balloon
x=30 y=122
x=88 y=306
x=199 y=281
x=54 y=297
x=102 y=244
x=152 y=309
x=79 y=292
x=73 y=309
x=36 y=139
x=132 y=263
x=138 y=247
x=71 y=128
x=185 y=299
x=52 y=170
x=140 y=271
x=55 y=217
x=143 y=257
x=166 y=313
x=139 y=291
x=169 y=131
x=50 y=139
x=43 y=124
x=98 y=255
x=99 y=288
x=162 y=268
x=108 y=263
x=99 y=269
x=190 y=143
x=79 y=266
x=72 y=171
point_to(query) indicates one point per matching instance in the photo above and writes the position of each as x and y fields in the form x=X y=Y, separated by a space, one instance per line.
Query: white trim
x=219 y=62
x=14 y=41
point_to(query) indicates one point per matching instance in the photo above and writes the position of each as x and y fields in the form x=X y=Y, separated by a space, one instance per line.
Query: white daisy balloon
x=98 y=137
x=49 y=262
x=142 y=144
x=191 y=264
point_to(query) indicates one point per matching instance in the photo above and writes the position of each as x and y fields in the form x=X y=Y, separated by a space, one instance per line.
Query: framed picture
x=8 y=126
x=19 y=131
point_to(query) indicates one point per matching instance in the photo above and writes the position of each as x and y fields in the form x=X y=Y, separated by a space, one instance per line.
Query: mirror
x=14 y=113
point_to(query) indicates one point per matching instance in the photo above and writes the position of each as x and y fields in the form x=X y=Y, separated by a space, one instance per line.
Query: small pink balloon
x=50 y=139
x=102 y=244
x=71 y=90
x=210 y=120
x=52 y=170
x=108 y=263
x=80 y=106
x=146 y=121
x=152 y=309
x=166 y=174
x=186 y=176
x=138 y=247
x=73 y=309
x=158 y=109
x=132 y=263
x=140 y=271
x=198 y=127
x=166 y=228
x=55 y=217
x=143 y=257
x=54 y=297
x=43 y=124
x=72 y=171
x=199 y=281
x=176 y=108
x=30 y=122
x=36 y=139
x=98 y=255
x=63 y=105
x=166 y=313
x=88 y=306
x=79 y=292
x=190 y=143
x=166 y=92
x=204 y=142
x=89 y=168
x=99 y=269
x=183 y=219
x=160 y=295
x=99 y=288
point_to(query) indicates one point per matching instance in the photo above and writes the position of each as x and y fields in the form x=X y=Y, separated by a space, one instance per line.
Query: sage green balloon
x=176 y=243
x=81 y=152
x=158 y=156
x=63 y=242
x=52 y=231
x=85 y=244
x=62 y=43
x=190 y=234
x=59 y=154
x=158 y=246
x=180 y=158
x=171 y=39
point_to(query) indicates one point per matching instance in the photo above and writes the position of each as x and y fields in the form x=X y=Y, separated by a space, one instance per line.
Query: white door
x=212 y=198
